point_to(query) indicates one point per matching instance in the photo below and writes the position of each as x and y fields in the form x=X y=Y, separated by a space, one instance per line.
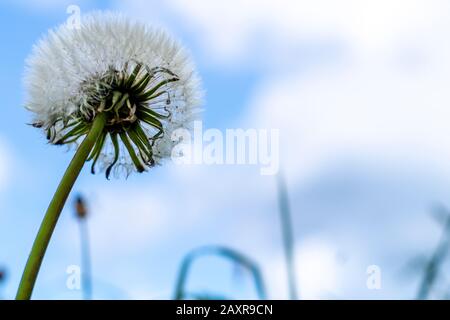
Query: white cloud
x=359 y=109
x=125 y=219
x=256 y=30
x=129 y=217
x=317 y=269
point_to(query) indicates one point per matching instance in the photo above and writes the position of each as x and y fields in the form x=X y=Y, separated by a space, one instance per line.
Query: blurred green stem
x=433 y=266
x=233 y=255
x=288 y=237
x=54 y=209
x=85 y=259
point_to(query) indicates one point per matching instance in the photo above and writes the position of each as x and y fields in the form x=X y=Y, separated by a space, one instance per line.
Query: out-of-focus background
x=360 y=91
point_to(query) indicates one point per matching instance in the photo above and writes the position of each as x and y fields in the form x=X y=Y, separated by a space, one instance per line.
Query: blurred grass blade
x=433 y=266
x=287 y=233
x=227 y=253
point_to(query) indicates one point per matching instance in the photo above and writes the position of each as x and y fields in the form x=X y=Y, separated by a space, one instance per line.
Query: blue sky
x=359 y=93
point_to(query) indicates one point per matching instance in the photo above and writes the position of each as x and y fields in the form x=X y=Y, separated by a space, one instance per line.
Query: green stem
x=130 y=149
x=85 y=259
x=54 y=209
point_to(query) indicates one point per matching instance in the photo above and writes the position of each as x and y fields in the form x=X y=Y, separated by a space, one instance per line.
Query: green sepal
x=148 y=94
x=143 y=150
x=97 y=151
x=133 y=76
x=115 y=143
x=132 y=153
x=141 y=84
x=78 y=130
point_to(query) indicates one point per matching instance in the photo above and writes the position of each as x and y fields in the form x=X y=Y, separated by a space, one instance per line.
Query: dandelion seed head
x=139 y=77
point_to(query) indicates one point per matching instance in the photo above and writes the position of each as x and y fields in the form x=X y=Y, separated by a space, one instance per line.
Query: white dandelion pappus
x=139 y=77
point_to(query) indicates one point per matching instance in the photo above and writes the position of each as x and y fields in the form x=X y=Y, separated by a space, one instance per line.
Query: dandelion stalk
x=54 y=209
x=82 y=214
x=125 y=80
x=85 y=260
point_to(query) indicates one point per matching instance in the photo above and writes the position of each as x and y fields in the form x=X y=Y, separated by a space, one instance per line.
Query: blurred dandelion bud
x=80 y=207
x=2 y=275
